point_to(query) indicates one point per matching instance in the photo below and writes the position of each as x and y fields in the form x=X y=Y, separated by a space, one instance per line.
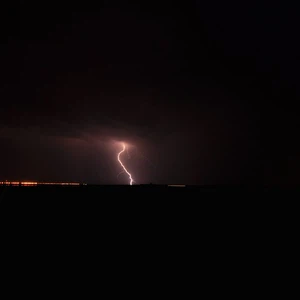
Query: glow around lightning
x=125 y=170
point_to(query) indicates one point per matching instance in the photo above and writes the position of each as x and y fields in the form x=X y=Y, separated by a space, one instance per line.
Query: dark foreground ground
x=110 y=191
x=90 y=219
x=153 y=193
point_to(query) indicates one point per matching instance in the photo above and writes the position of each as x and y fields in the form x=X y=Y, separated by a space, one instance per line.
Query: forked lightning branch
x=122 y=165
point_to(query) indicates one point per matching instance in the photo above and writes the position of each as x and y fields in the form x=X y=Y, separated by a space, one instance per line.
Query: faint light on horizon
x=35 y=183
x=28 y=183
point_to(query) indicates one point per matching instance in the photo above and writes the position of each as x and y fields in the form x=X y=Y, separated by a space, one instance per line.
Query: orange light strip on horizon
x=58 y=183
x=34 y=183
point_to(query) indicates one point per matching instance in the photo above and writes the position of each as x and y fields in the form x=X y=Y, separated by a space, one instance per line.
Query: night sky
x=205 y=92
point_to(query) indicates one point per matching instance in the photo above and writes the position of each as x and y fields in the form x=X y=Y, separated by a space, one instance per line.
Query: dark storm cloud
x=85 y=70
x=205 y=91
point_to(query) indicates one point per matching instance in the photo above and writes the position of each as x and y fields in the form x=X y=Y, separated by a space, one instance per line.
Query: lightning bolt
x=125 y=170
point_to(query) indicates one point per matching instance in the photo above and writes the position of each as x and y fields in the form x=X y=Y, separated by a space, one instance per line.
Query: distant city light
x=35 y=183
